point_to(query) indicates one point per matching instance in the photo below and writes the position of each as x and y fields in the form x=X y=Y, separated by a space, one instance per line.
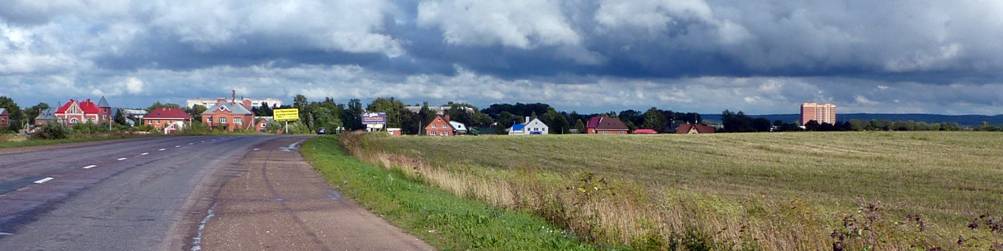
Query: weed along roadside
x=441 y=219
x=840 y=191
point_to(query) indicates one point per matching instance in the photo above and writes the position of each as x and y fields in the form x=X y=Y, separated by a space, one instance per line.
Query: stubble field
x=772 y=191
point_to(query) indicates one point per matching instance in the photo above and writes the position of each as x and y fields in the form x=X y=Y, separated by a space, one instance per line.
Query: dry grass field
x=766 y=191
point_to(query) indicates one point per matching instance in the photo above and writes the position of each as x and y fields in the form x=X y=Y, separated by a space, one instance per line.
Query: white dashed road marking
x=5 y=234
x=177 y=146
x=46 y=179
x=161 y=149
x=257 y=149
x=123 y=158
x=143 y=154
x=90 y=166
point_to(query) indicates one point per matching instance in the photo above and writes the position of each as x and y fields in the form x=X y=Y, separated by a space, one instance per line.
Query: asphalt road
x=159 y=194
x=123 y=195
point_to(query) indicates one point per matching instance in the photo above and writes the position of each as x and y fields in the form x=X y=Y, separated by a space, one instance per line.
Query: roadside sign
x=374 y=118
x=291 y=114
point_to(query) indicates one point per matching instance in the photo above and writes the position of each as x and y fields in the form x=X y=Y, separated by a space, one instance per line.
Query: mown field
x=772 y=191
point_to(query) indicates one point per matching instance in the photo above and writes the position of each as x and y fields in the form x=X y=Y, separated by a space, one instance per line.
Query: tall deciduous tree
x=14 y=113
x=655 y=119
x=31 y=113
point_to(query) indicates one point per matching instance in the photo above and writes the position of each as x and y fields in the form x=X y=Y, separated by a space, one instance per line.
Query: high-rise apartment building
x=821 y=113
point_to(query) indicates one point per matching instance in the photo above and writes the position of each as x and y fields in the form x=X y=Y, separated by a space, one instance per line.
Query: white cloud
x=517 y=23
x=134 y=85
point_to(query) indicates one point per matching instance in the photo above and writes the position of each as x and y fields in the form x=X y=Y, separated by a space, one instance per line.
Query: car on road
x=321 y=131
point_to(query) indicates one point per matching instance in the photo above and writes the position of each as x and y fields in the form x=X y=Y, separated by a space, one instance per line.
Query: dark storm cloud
x=761 y=56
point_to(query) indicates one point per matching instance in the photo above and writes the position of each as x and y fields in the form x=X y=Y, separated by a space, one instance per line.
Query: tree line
x=739 y=122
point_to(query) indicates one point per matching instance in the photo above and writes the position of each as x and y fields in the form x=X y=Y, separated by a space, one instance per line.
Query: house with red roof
x=77 y=112
x=694 y=129
x=645 y=131
x=167 y=120
x=605 y=125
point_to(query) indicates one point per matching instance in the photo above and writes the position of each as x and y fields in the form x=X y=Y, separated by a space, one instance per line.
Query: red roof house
x=76 y=112
x=645 y=131
x=169 y=120
x=605 y=125
x=694 y=129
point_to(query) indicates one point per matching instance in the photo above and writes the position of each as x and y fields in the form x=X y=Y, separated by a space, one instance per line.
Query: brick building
x=4 y=118
x=230 y=115
x=821 y=113
x=439 y=127
x=167 y=120
x=76 y=112
x=605 y=125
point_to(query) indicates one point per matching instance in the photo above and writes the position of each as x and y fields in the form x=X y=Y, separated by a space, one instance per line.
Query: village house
x=76 y=112
x=605 y=125
x=532 y=127
x=694 y=129
x=230 y=115
x=46 y=117
x=439 y=127
x=4 y=118
x=167 y=120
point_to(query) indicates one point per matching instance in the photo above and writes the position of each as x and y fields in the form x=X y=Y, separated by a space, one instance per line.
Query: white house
x=533 y=127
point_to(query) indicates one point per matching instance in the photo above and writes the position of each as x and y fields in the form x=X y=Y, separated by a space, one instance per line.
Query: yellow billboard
x=292 y=114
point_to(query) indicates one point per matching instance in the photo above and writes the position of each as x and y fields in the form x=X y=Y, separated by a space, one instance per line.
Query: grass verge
x=12 y=141
x=443 y=220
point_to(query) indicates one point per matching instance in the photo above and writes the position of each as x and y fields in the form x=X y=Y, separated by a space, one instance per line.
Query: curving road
x=156 y=194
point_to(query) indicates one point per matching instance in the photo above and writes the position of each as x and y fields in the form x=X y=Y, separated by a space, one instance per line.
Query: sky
x=758 y=56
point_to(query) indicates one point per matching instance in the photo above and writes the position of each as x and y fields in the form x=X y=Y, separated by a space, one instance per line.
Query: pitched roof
x=89 y=107
x=685 y=128
x=103 y=102
x=86 y=106
x=645 y=131
x=518 y=126
x=47 y=114
x=606 y=123
x=458 y=126
x=232 y=107
x=167 y=113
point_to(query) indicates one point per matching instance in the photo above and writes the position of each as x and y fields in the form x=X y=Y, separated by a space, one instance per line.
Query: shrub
x=51 y=131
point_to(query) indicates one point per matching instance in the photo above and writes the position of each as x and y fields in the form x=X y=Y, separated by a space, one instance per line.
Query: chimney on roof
x=233 y=96
x=446 y=118
x=526 y=120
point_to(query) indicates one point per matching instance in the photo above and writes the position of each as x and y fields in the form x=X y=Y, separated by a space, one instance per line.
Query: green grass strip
x=441 y=219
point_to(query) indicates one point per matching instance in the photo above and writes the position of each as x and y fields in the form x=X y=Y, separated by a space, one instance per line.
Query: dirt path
x=281 y=203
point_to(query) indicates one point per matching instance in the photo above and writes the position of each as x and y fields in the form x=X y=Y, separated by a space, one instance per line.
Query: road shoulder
x=280 y=202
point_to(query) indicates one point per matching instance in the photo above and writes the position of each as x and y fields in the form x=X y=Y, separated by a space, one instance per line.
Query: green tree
x=157 y=105
x=31 y=113
x=119 y=117
x=352 y=118
x=557 y=122
x=580 y=126
x=196 y=112
x=263 y=110
x=299 y=102
x=655 y=119
x=392 y=107
x=14 y=113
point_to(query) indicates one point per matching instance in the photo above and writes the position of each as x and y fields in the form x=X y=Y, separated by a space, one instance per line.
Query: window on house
x=222 y=120
x=238 y=121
